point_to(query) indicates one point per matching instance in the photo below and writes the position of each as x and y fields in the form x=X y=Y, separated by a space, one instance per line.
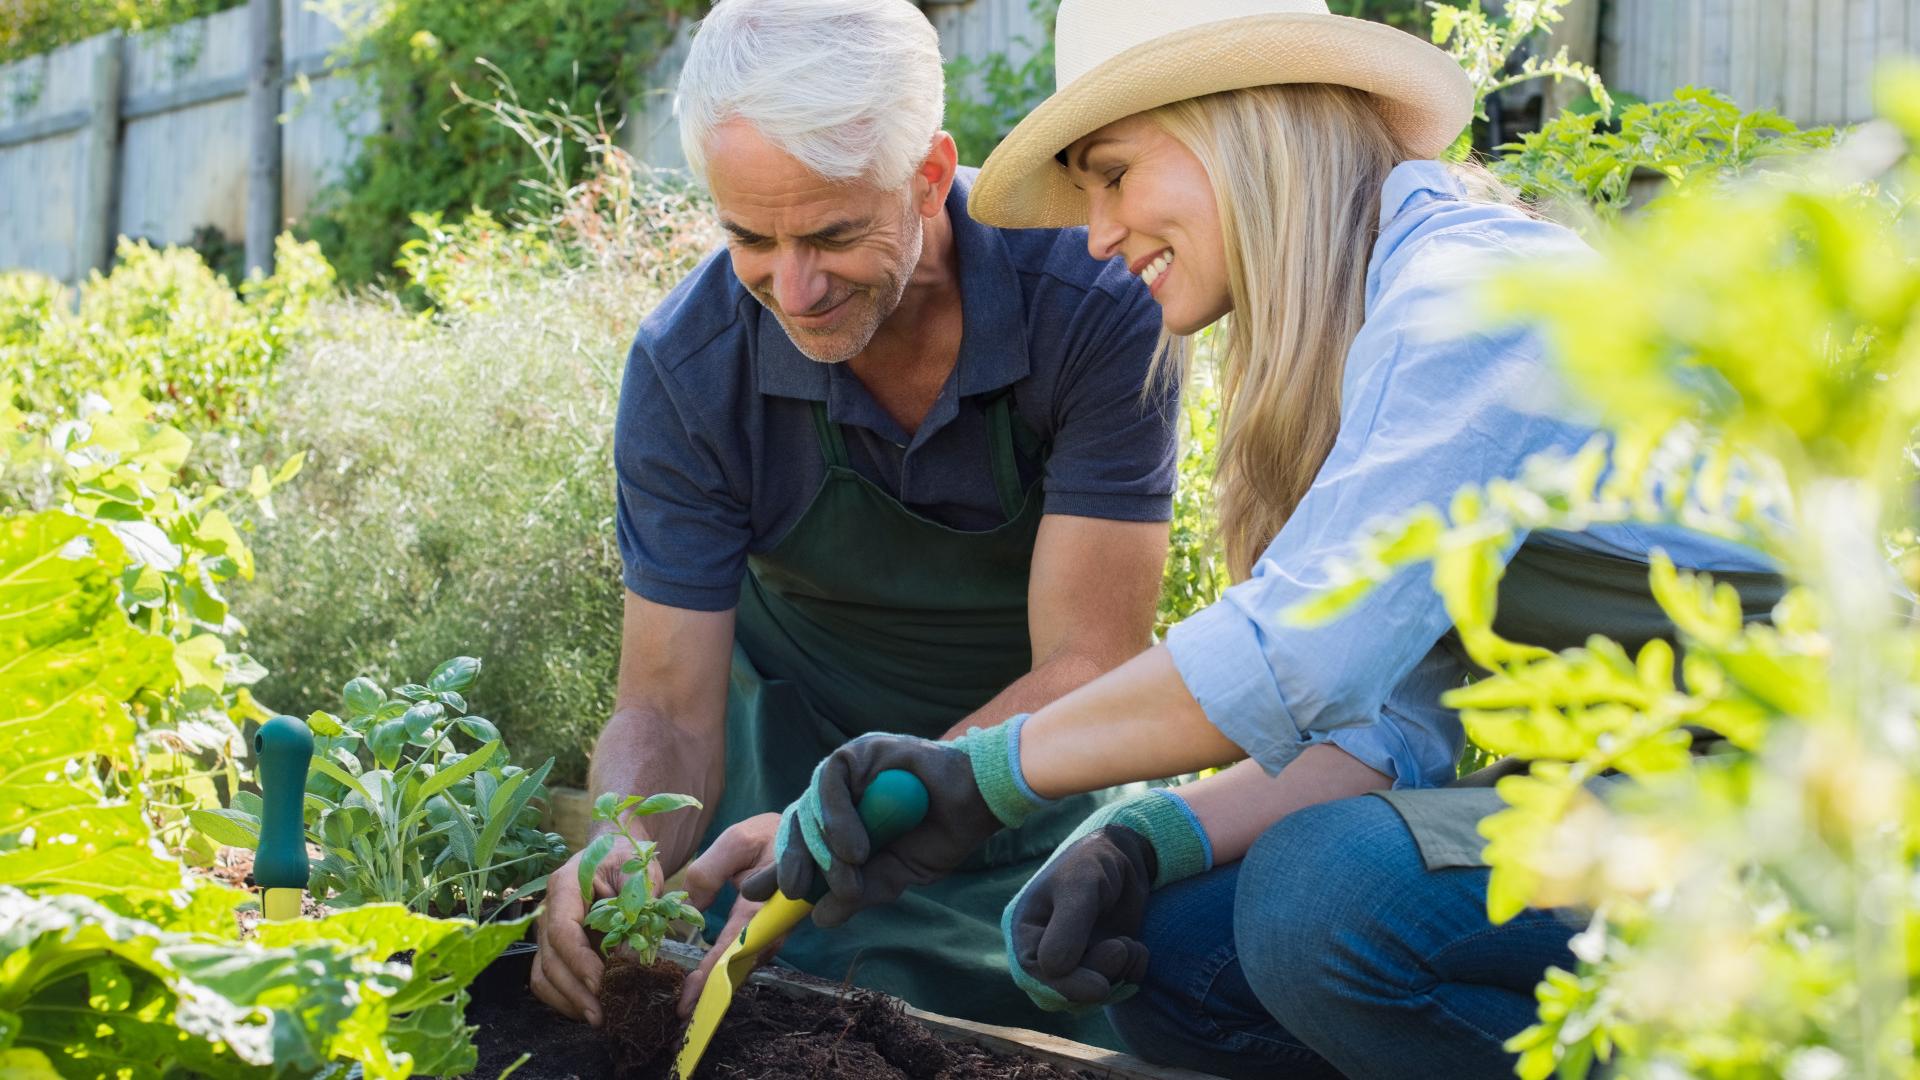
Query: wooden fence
x=1813 y=61
x=151 y=136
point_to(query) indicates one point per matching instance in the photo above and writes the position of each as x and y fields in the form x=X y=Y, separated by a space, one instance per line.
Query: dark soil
x=638 y=1003
x=767 y=1035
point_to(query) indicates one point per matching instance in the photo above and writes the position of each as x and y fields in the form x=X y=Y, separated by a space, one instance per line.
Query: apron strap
x=1005 y=466
x=833 y=445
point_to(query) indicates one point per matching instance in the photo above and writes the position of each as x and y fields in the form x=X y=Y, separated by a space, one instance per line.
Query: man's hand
x=567 y=968
x=741 y=850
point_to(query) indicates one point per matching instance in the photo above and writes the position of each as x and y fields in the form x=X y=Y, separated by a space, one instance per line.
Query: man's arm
x=668 y=733
x=1091 y=596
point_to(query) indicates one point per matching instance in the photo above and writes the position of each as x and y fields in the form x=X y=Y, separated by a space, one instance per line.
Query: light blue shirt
x=1429 y=403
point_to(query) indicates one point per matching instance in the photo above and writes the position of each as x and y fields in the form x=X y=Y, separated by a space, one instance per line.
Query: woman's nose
x=1104 y=234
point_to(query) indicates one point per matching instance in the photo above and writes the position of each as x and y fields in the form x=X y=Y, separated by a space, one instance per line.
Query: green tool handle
x=890 y=807
x=282 y=748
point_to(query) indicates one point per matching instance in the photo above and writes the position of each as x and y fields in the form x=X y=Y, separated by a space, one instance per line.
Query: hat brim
x=1421 y=93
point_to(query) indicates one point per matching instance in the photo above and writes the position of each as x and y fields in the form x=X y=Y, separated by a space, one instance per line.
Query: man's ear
x=934 y=178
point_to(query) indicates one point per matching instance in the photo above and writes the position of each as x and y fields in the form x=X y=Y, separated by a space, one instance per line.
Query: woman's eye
x=1113 y=178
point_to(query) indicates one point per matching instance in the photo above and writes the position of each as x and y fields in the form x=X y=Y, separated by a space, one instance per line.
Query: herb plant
x=412 y=801
x=634 y=916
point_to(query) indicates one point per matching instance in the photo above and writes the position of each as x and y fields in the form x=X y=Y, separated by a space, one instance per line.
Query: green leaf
x=590 y=859
x=363 y=696
x=290 y=468
x=451 y=775
x=387 y=740
x=225 y=826
x=456 y=674
x=420 y=718
x=660 y=804
x=480 y=728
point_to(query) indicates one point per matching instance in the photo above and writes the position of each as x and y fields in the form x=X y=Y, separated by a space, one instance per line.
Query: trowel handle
x=282 y=748
x=891 y=806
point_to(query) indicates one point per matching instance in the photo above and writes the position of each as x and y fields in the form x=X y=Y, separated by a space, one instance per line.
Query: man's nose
x=798 y=283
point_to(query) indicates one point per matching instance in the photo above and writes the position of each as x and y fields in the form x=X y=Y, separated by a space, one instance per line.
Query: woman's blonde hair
x=1296 y=172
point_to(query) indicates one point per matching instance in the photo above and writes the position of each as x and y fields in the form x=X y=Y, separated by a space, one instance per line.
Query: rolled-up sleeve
x=1427 y=408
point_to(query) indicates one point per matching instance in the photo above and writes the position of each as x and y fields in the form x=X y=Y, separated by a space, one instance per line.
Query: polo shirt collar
x=993 y=343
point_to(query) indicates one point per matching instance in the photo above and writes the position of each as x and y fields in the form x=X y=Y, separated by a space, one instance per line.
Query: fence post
x=263 y=132
x=96 y=232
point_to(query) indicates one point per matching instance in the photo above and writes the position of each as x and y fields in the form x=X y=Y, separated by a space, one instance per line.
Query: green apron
x=868 y=617
x=1554 y=595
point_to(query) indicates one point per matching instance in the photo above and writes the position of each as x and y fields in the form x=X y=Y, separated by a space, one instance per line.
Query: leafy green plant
x=987 y=95
x=1196 y=572
x=38 y=26
x=403 y=814
x=163 y=322
x=1484 y=44
x=1585 y=166
x=432 y=154
x=1753 y=349
x=112 y=957
x=109 y=465
x=633 y=917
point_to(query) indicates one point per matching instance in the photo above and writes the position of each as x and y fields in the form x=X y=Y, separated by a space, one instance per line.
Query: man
x=881 y=468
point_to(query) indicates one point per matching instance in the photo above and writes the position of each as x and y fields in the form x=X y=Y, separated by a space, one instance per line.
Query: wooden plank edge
x=1040 y=1046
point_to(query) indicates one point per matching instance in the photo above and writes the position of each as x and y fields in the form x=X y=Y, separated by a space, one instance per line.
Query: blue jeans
x=1331 y=950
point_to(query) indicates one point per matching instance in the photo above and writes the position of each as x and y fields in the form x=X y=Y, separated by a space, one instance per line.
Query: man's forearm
x=1042 y=686
x=641 y=752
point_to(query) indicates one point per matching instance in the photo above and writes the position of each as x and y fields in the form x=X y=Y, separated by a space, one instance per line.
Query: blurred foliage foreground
x=1756 y=352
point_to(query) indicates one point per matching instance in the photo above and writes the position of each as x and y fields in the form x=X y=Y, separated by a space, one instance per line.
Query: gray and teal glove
x=1072 y=933
x=974 y=790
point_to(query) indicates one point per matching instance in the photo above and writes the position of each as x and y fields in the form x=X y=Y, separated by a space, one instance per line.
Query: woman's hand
x=969 y=798
x=1072 y=933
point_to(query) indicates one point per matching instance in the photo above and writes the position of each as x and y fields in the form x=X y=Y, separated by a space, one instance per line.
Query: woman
x=1266 y=163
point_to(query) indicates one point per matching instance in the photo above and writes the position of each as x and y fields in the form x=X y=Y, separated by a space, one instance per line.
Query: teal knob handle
x=892 y=805
x=282 y=750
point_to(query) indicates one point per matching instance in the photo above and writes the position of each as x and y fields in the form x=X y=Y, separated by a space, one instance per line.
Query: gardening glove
x=1072 y=932
x=974 y=789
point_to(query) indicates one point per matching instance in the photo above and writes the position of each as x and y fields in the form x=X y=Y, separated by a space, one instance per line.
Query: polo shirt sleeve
x=1113 y=448
x=683 y=527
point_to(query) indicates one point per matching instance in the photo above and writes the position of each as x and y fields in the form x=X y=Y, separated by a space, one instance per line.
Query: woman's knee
x=1188 y=932
x=1309 y=896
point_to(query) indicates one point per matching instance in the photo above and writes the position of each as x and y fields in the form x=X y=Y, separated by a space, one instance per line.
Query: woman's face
x=1149 y=201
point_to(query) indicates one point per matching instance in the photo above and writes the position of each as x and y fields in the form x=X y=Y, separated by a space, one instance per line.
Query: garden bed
x=787 y=1025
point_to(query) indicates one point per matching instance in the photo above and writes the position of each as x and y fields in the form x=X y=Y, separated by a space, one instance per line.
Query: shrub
x=434 y=155
x=459 y=491
x=163 y=323
x=37 y=26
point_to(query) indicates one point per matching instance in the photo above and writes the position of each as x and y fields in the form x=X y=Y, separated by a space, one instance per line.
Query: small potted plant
x=639 y=992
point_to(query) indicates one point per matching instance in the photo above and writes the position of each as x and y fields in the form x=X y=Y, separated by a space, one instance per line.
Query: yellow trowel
x=894 y=803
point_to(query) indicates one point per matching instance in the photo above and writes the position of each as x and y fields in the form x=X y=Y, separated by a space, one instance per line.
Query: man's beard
x=855 y=338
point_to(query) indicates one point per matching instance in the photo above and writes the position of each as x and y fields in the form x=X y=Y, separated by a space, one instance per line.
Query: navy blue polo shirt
x=718 y=456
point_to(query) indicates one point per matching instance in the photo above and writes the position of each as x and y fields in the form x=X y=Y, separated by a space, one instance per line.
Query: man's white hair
x=853 y=89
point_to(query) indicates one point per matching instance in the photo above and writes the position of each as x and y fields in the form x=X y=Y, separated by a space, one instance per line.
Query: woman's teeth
x=1152 y=271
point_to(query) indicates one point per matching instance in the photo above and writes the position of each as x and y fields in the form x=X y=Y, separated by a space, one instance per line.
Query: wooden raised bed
x=512 y=1021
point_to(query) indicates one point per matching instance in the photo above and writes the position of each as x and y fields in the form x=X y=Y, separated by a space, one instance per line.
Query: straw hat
x=1115 y=58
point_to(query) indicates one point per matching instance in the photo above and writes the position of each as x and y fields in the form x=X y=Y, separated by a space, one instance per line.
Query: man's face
x=830 y=260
